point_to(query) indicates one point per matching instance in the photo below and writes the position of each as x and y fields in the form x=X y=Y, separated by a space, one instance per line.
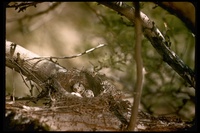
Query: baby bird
x=78 y=88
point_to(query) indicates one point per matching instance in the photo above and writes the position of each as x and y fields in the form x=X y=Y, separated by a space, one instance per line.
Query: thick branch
x=41 y=71
x=183 y=10
x=152 y=33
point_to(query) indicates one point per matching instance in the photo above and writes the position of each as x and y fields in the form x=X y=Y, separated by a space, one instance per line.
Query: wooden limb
x=69 y=114
x=152 y=33
x=75 y=114
x=137 y=90
x=41 y=71
x=183 y=10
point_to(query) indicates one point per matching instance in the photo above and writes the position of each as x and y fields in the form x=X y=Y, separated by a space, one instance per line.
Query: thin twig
x=51 y=8
x=69 y=57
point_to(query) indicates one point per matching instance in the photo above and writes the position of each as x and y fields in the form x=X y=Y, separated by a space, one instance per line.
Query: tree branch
x=139 y=65
x=183 y=10
x=41 y=71
x=152 y=33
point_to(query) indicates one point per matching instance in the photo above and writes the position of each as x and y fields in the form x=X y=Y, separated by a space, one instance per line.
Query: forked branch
x=153 y=34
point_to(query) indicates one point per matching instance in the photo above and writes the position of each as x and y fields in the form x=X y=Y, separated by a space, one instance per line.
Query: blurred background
x=69 y=28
